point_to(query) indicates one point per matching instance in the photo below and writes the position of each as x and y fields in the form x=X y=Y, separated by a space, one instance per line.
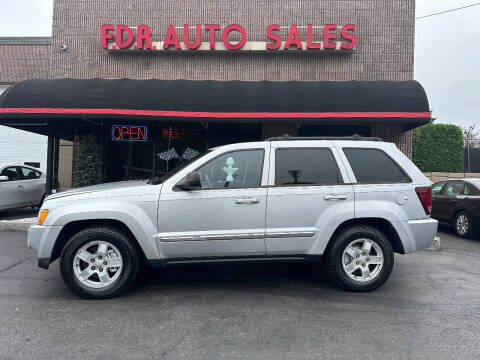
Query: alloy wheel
x=462 y=224
x=362 y=260
x=97 y=264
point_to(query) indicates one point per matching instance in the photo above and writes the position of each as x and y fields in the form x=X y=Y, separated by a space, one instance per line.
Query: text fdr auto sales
x=326 y=37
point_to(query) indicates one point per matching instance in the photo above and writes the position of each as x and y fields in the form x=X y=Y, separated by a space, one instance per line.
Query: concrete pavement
x=429 y=309
x=17 y=219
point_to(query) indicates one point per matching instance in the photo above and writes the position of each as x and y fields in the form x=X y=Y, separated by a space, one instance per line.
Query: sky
x=446 y=55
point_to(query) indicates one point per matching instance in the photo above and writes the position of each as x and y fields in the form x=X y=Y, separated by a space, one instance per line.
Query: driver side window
x=436 y=188
x=11 y=173
x=237 y=169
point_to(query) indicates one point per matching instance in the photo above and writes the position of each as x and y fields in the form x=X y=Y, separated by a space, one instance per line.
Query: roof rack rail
x=355 y=137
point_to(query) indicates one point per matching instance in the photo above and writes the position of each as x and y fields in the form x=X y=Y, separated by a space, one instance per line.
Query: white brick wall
x=18 y=146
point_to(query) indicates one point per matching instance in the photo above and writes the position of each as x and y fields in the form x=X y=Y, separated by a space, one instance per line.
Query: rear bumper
x=416 y=234
x=41 y=240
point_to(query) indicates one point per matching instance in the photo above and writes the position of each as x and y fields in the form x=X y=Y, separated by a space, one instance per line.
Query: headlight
x=42 y=216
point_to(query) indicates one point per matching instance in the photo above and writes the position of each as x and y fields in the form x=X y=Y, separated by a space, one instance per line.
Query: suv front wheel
x=99 y=262
x=360 y=259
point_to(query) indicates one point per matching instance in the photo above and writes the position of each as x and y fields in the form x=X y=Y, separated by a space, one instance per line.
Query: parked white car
x=21 y=186
x=349 y=203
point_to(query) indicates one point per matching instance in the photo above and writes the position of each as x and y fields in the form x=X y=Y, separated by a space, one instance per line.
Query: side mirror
x=189 y=183
x=4 y=178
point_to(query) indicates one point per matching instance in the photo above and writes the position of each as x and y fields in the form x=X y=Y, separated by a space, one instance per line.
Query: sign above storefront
x=330 y=37
x=180 y=133
x=129 y=133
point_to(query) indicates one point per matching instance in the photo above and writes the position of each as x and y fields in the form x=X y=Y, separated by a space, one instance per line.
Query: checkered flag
x=189 y=154
x=169 y=155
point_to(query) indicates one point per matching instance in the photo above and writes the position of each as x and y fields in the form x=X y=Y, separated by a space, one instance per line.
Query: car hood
x=97 y=188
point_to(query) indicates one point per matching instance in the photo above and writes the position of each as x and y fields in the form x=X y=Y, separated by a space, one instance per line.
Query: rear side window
x=29 y=174
x=297 y=167
x=470 y=189
x=374 y=166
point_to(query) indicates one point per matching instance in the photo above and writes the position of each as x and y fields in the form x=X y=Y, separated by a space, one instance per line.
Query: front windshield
x=180 y=166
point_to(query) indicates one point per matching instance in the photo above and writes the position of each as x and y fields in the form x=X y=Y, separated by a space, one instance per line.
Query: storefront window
x=170 y=145
x=178 y=144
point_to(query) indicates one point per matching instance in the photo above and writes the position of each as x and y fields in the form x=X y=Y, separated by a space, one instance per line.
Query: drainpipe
x=50 y=149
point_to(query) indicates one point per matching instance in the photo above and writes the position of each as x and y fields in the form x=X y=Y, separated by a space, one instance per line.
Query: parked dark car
x=457 y=203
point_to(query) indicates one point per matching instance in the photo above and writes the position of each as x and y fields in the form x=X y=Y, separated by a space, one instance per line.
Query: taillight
x=425 y=196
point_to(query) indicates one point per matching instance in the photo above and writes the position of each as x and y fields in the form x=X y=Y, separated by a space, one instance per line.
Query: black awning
x=400 y=102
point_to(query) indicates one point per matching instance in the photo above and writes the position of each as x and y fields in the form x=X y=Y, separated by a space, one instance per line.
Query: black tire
x=334 y=258
x=114 y=236
x=470 y=230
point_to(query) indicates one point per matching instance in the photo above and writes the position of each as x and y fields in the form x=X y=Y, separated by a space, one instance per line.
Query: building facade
x=21 y=59
x=385 y=31
x=384 y=50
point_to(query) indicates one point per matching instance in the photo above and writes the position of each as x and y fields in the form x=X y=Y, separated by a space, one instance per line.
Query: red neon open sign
x=129 y=133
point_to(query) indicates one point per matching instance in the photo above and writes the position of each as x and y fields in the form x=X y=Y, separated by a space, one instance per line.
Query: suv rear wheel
x=99 y=262
x=360 y=259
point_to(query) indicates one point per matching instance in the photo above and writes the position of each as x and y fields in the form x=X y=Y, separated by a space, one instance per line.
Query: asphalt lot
x=429 y=309
x=16 y=214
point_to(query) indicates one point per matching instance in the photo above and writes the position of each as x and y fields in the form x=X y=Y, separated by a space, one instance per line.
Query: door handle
x=335 y=197
x=252 y=200
x=454 y=200
x=20 y=187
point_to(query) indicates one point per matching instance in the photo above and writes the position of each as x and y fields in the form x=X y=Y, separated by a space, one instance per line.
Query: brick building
x=384 y=51
x=21 y=59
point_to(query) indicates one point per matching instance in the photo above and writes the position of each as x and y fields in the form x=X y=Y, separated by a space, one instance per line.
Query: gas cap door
x=401 y=198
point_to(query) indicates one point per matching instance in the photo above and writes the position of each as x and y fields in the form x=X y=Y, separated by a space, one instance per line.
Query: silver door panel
x=198 y=211
x=213 y=222
x=199 y=222
x=308 y=215
x=11 y=194
x=32 y=192
x=208 y=248
x=295 y=212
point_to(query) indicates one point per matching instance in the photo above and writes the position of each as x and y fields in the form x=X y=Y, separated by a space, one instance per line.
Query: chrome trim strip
x=290 y=234
x=212 y=237
x=270 y=235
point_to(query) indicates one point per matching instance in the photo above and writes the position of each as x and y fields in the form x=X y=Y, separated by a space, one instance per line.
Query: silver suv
x=350 y=204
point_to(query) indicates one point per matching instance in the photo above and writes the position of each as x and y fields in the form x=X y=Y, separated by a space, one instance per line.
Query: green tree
x=438 y=147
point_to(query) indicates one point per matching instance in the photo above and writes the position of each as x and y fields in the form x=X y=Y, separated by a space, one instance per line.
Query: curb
x=14 y=226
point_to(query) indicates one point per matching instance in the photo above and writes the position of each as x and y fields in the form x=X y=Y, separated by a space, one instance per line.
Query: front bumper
x=41 y=240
